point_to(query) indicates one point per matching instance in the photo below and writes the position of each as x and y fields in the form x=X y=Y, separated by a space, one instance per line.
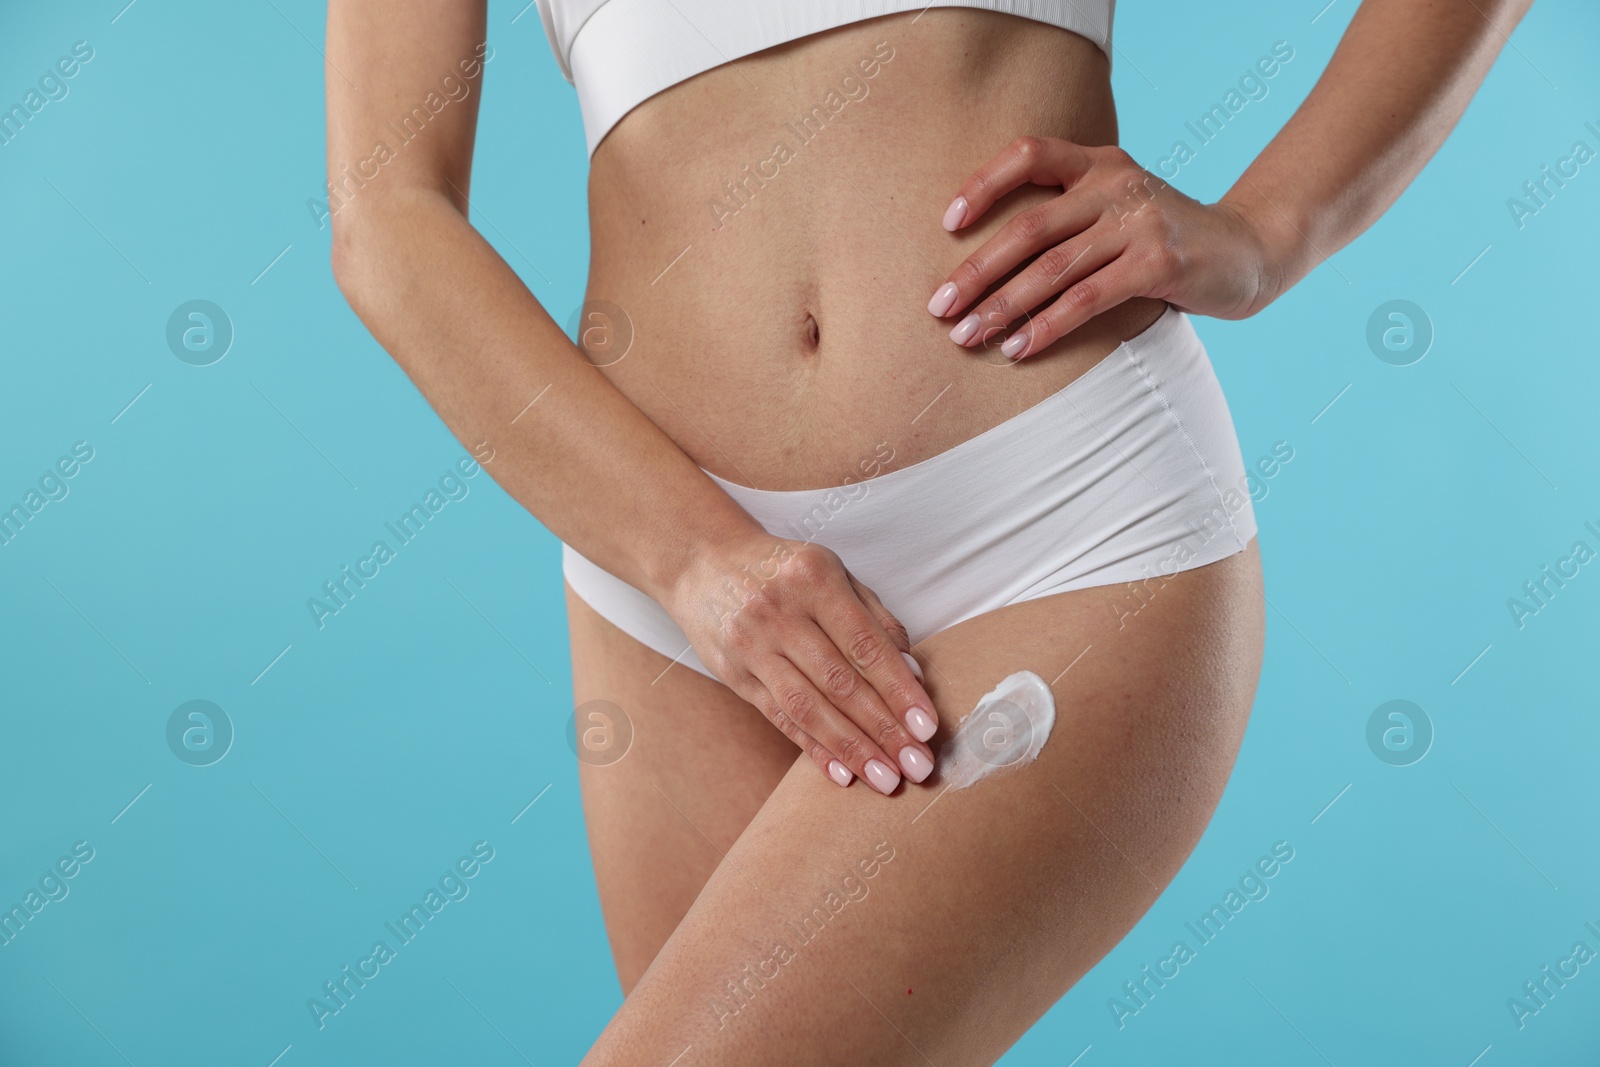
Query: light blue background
x=427 y=715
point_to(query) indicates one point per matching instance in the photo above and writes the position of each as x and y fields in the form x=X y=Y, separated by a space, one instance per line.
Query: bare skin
x=998 y=897
x=845 y=238
x=820 y=658
x=777 y=345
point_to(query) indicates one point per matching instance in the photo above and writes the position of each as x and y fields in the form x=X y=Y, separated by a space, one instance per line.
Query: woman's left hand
x=1115 y=232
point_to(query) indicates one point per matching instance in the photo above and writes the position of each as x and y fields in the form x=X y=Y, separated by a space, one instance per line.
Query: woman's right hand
x=784 y=625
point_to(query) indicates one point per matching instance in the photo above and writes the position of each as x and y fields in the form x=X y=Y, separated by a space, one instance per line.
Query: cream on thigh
x=846 y=927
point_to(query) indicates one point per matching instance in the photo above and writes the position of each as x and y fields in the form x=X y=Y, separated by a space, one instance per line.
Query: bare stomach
x=766 y=235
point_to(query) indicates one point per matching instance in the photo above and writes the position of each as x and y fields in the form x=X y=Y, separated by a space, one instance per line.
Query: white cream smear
x=1008 y=728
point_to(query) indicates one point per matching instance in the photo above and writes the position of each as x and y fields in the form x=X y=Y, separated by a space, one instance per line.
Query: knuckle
x=751 y=691
x=999 y=308
x=888 y=734
x=1156 y=256
x=797 y=706
x=812 y=563
x=719 y=663
x=1028 y=148
x=1159 y=226
x=1111 y=184
x=840 y=679
x=1084 y=296
x=776 y=716
x=853 y=751
x=1054 y=262
x=1157 y=252
x=865 y=648
x=750 y=602
x=1116 y=156
x=898 y=635
x=1029 y=224
x=773 y=604
x=969 y=276
x=741 y=637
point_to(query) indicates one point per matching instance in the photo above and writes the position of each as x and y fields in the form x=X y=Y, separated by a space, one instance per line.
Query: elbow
x=360 y=231
x=345 y=259
x=373 y=243
x=359 y=249
x=381 y=246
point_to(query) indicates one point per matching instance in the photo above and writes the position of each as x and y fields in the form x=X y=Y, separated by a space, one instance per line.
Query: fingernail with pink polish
x=911 y=661
x=839 y=773
x=915 y=764
x=944 y=298
x=1015 y=345
x=921 y=724
x=882 y=778
x=956 y=213
x=965 y=330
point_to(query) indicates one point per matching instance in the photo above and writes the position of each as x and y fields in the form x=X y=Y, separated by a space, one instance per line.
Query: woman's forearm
x=798 y=636
x=550 y=428
x=1397 y=84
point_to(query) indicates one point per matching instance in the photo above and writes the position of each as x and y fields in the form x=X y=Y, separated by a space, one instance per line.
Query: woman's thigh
x=699 y=765
x=847 y=927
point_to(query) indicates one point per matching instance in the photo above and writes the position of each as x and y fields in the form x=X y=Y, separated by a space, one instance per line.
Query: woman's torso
x=782 y=337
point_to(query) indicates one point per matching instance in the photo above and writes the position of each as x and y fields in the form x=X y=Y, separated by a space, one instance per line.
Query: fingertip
x=881 y=776
x=921 y=724
x=917 y=766
x=943 y=299
x=964 y=331
x=840 y=773
x=956 y=214
x=911 y=661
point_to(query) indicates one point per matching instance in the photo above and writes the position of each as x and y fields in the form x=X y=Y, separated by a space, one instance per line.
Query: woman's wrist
x=1287 y=255
x=693 y=542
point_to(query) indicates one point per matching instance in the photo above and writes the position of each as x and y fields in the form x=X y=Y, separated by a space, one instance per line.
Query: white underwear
x=1130 y=472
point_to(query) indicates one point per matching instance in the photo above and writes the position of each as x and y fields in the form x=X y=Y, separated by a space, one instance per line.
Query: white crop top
x=619 y=53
